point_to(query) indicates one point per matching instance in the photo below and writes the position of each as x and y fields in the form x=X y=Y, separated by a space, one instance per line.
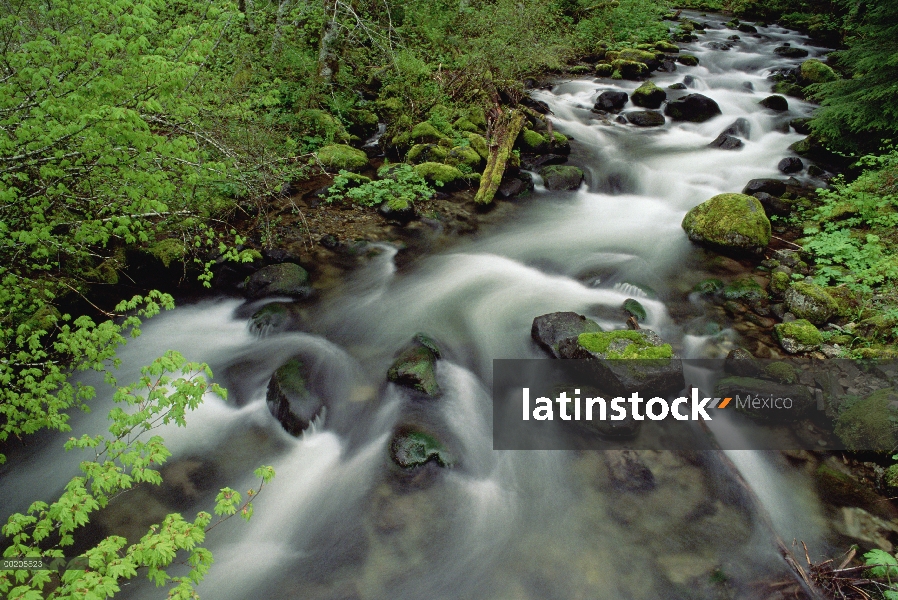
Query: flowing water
x=338 y=522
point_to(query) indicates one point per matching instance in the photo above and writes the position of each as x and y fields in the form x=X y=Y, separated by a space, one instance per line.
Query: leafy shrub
x=400 y=186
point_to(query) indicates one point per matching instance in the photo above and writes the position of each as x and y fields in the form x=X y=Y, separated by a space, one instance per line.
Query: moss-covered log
x=501 y=143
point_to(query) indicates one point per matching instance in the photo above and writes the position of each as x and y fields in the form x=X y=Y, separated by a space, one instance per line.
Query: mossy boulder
x=729 y=222
x=289 y=399
x=321 y=123
x=477 y=116
x=531 y=141
x=274 y=317
x=550 y=329
x=667 y=47
x=284 y=279
x=688 y=60
x=412 y=447
x=561 y=177
x=604 y=70
x=479 y=144
x=841 y=489
x=696 y=108
x=745 y=290
x=420 y=153
x=648 y=95
x=341 y=156
x=780 y=371
x=797 y=336
x=645 y=118
x=868 y=424
x=636 y=55
x=464 y=124
x=425 y=132
x=811 y=302
x=779 y=283
x=629 y=69
x=463 y=155
x=415 y=367
x=708 y=287
x=168 y=251
x=446 y=175
x=364 y=122
x=815 y=71
x=627 y=360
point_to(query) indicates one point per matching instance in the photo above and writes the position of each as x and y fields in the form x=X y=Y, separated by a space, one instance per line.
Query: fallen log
x=506 y=131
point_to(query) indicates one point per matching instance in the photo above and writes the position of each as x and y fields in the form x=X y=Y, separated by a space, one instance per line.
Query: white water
x=335 y=523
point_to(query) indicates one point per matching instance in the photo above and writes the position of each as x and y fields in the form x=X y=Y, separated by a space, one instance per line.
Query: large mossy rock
x=802 y=401
x=548 y=330
x=289 y=398
x=798 y=336
x=463 y=155
x=648 y=95
x=692 y=107
x=284 y=279
x=561 y=177
x=811 y=302
x=868 y=424
x=341 y=156
x=775 y=102
x=687 y=60
x=628 y=361
x=629 y=69
x=815 y=71
x=441 y=174
x=415 y=367
x=730 y=222
x=645 y=118
x=412 y=447
x=420 y=153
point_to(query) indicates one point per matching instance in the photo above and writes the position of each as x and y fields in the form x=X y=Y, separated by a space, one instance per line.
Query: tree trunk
x=327 y=56
x=278 y=25
x=506 y=132
x=246 y=7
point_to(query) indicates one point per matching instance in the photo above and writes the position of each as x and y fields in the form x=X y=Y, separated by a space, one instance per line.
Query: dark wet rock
x=740 y=128
x=645 y=118
x=790 y=51
x=412 y=447
x=290 y=400
x=659 y=370
x=677 y=86
x=741 y=363
x=746 y=28
x=627 y=471
x=757 y=390
x=537 y=105
x=810 y=301
x=399 y=214
x=648 y=95
x=773 y=205
x=415 y=367
x=734 y=38
x=722 y=46
x=775 y=102
x=559 y=177
x=745 y=290
x=692 y=107
x=801 y=125
x=548 y=330
x=708 y=287
x=774 y=187
x=734 y=223
x=667 y=66
x=284 y=279
x=790 y=164
x=838 y=487
x=274 y=317
x=726 y=142
x=534 y=163
x=329 y=241
x=687 y=60
x=611 y=100
x=633 y=308
x=689 y=81
x=748 y=86
x=515 y=186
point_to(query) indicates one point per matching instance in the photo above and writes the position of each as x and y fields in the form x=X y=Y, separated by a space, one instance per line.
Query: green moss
x=476 y=116
x=560 y=138
x=708 y=286
x=779 y=283
x=426 y=153
x=781 y=372
x=410 y=449
x=290 y=378
x=463 y=155
x=815 y=71
x=810 y=301
x=604 y=70
x=688 y=60
x=579 y=70
x=666 y=47
x=732 y=221
x=425 y=132
x=639 y=347
x=648 y=95
x=629 y=69
x=531 y=140
x=321 y=123
x=341 y=156
x=636 y=55
x=745 y=289
x=439 y=173
x=478 y=143
x=788 y=89
x=463 y=124
x=635 y=309
x=801 y=331
x=867 y=424
x=168 y=250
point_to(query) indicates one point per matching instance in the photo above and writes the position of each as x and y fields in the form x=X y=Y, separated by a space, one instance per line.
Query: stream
x=338 y=522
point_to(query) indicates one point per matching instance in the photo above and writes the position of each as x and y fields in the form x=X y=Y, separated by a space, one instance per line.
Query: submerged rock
x=561 y=177
x=692 y=107
x=740 y=127
x=730 y=222
x=415 y=367
x=790 y=52
x=726 y=142
x=627 y=471
x=289 y=399
x=645 y=118
x=284 y=279
x=274 y=317
x=775 y=102
x=549 y=329
x=412 y=447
